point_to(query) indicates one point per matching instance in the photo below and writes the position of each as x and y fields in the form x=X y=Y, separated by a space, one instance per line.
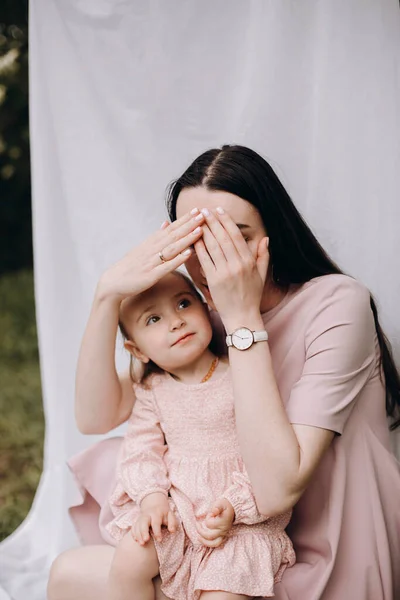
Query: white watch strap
x=260 y=336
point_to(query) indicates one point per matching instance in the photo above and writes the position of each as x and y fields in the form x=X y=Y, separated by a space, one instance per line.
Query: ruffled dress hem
x=245 y=563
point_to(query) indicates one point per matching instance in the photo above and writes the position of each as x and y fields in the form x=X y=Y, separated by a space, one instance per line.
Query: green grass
x=21 y=412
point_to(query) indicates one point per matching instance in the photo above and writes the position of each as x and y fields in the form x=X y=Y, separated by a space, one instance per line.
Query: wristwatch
x=243 y=338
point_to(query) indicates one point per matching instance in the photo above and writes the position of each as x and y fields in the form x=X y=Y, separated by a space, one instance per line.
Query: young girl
x=183 y=504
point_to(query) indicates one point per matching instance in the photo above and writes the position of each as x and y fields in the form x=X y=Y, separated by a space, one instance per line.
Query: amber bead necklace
x=211 y=370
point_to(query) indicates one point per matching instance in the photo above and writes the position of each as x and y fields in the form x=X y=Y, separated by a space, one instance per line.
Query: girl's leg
x=132 y=570
x=82 y=574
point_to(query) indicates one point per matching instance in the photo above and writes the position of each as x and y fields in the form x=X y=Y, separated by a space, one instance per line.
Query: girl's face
x=245 y=215
x=167 y=324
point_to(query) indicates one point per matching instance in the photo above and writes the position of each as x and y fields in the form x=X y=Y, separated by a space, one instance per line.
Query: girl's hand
x=217 y=523
x=234 y=276
x=155 y=512
x=142 y=267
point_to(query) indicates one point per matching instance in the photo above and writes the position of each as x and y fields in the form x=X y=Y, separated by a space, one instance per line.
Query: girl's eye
x=184 y=303
x=152 y=319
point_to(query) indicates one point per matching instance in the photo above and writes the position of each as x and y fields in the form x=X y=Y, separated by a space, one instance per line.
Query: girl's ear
x=134 y=350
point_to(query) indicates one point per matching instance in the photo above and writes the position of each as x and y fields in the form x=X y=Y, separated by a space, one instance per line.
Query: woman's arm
x=287 y=443
x=280 y=455
x=104 y=399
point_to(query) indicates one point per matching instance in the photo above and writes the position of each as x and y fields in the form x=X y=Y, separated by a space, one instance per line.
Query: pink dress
x=346 y=526
x=181 y=440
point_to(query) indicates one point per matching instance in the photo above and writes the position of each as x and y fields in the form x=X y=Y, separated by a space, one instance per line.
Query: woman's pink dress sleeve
x=340 y=357
x=142 y=470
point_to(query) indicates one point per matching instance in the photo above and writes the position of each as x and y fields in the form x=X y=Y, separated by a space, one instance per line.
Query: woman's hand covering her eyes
x=235 y=277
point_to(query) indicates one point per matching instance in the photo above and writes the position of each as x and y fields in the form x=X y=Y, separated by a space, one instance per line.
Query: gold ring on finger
x=160 y=254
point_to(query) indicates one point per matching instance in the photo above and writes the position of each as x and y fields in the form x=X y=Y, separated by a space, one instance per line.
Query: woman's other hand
x=155 y=512
x=143 y=266
x=235 y=275
x=217 y=523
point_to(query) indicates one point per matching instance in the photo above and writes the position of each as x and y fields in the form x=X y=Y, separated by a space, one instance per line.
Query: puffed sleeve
x=240 y=495
x=142 y=469
x=340 y=349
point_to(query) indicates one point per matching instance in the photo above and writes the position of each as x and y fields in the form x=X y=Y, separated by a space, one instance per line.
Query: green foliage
x=15 y=190
x=21 y=412
x=17 y=318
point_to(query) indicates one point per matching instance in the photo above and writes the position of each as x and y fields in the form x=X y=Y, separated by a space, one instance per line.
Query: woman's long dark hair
x=296 y=254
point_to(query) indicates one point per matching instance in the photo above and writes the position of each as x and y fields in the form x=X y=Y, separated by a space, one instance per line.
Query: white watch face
x=242 y=338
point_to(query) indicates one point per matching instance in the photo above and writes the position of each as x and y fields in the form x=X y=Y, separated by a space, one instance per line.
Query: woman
x=309 y=403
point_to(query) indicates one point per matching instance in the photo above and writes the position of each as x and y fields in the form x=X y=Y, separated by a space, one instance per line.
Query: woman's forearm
x=267 y=440
x=98 y=391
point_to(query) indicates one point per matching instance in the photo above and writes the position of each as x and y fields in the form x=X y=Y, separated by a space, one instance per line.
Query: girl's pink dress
x=181 y=440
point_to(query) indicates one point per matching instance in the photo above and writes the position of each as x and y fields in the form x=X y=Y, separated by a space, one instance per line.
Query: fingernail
x=194 y=211
x=205 y=212
x=197 y=230
x=163 y=224
x=220 y=210
x=199 y=217
x=186 y=252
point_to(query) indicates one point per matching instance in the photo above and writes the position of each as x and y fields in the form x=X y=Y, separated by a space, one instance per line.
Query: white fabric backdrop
x=124 y=95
